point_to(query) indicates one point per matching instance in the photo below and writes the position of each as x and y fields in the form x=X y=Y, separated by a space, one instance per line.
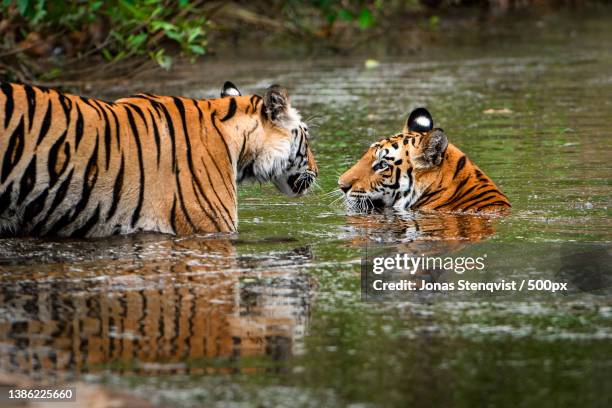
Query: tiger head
x=276 y=147
x=394 y=170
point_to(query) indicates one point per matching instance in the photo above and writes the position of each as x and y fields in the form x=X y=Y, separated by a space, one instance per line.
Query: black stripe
x=5 y=198
x=231 y=110
x=214 y=161
x=9 y=104
x=203 y=129
x=453 y=200
x=457 y=194
x=214 y=191
x=117 y=186
x=504 y=203
x=136 y=213
x=230 y=223
x=299 y=149
x=78 y=132
x=60 y=195
x=460 y=165
x=181 y=109
x=201 y=205
x=27 y=181
x=140 y=113
x=478 y=202
x=31 y=99
x=241 y=152
x=66 y=106
x=61 y=192
x=225 y=179
x=170 y=131
x=173 y=215
x=227 y=151
x=156 y=137
x=46 y=123
x=90 y=102
x=182 y=202
x=476 y=197
x=426 y=198
x=52 y=159
x=254 y=101
x=34 y=207
x=90 y=176
x=395 y=184
x=58 y=226
x=14 y=151
x=117 y=128
x=107 y=138
x=88 y=225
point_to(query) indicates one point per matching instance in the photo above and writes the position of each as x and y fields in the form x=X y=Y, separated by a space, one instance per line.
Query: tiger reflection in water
x=166 y=310
x=419 y=234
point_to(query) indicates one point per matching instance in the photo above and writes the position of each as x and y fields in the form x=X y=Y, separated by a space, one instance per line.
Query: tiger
x=72 y=166
x=419 y=169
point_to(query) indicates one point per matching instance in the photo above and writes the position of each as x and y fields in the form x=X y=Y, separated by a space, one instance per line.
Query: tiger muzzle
x=299 y=183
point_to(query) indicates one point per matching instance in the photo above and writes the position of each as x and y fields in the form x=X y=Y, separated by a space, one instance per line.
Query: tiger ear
x=230 y=89
x=420 y=120
x=276 y=103
x=433 y=146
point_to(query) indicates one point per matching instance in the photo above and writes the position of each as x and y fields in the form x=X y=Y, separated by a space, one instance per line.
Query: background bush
x=42 y=40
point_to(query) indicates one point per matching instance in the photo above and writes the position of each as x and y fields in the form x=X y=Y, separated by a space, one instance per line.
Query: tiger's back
x=459 y=186
x=77 y=166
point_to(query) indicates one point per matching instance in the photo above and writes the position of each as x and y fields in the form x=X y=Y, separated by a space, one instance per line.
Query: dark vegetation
x=53 y=41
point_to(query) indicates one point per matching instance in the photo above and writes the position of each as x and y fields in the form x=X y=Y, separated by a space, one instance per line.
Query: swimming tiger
x=419 y=169
x=78 y=167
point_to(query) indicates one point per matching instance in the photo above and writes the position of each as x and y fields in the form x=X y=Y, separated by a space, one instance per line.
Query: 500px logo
x=411 y=264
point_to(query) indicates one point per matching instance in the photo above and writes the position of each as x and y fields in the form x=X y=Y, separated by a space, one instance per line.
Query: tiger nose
x=344 y=186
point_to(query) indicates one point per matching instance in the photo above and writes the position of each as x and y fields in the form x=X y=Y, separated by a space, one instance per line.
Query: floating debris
x=503 y=111
x=371 y=64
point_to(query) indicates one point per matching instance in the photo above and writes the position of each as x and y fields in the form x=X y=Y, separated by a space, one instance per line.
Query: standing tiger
x=78 y=167
x=419 y=170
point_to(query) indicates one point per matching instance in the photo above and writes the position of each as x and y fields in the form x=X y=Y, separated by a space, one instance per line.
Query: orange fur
x=73 y=166
x=420 y=170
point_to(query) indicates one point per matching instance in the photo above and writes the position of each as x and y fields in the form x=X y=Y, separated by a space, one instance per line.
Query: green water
x=273 y=316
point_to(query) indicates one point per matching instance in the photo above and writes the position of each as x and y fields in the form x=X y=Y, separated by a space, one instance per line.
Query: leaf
x=22 y=6
x=107 y=54
x=135 y=41
x=434 y=21
x=162 y=59
x=197 y=49
x=345 y=15
x=95 y=6
x=195 y=33
x=173 y=35
x=366 y=19
x=162 y=25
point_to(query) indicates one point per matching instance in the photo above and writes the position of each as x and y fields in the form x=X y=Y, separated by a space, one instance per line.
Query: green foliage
x=353 y=11
x=116 y=29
